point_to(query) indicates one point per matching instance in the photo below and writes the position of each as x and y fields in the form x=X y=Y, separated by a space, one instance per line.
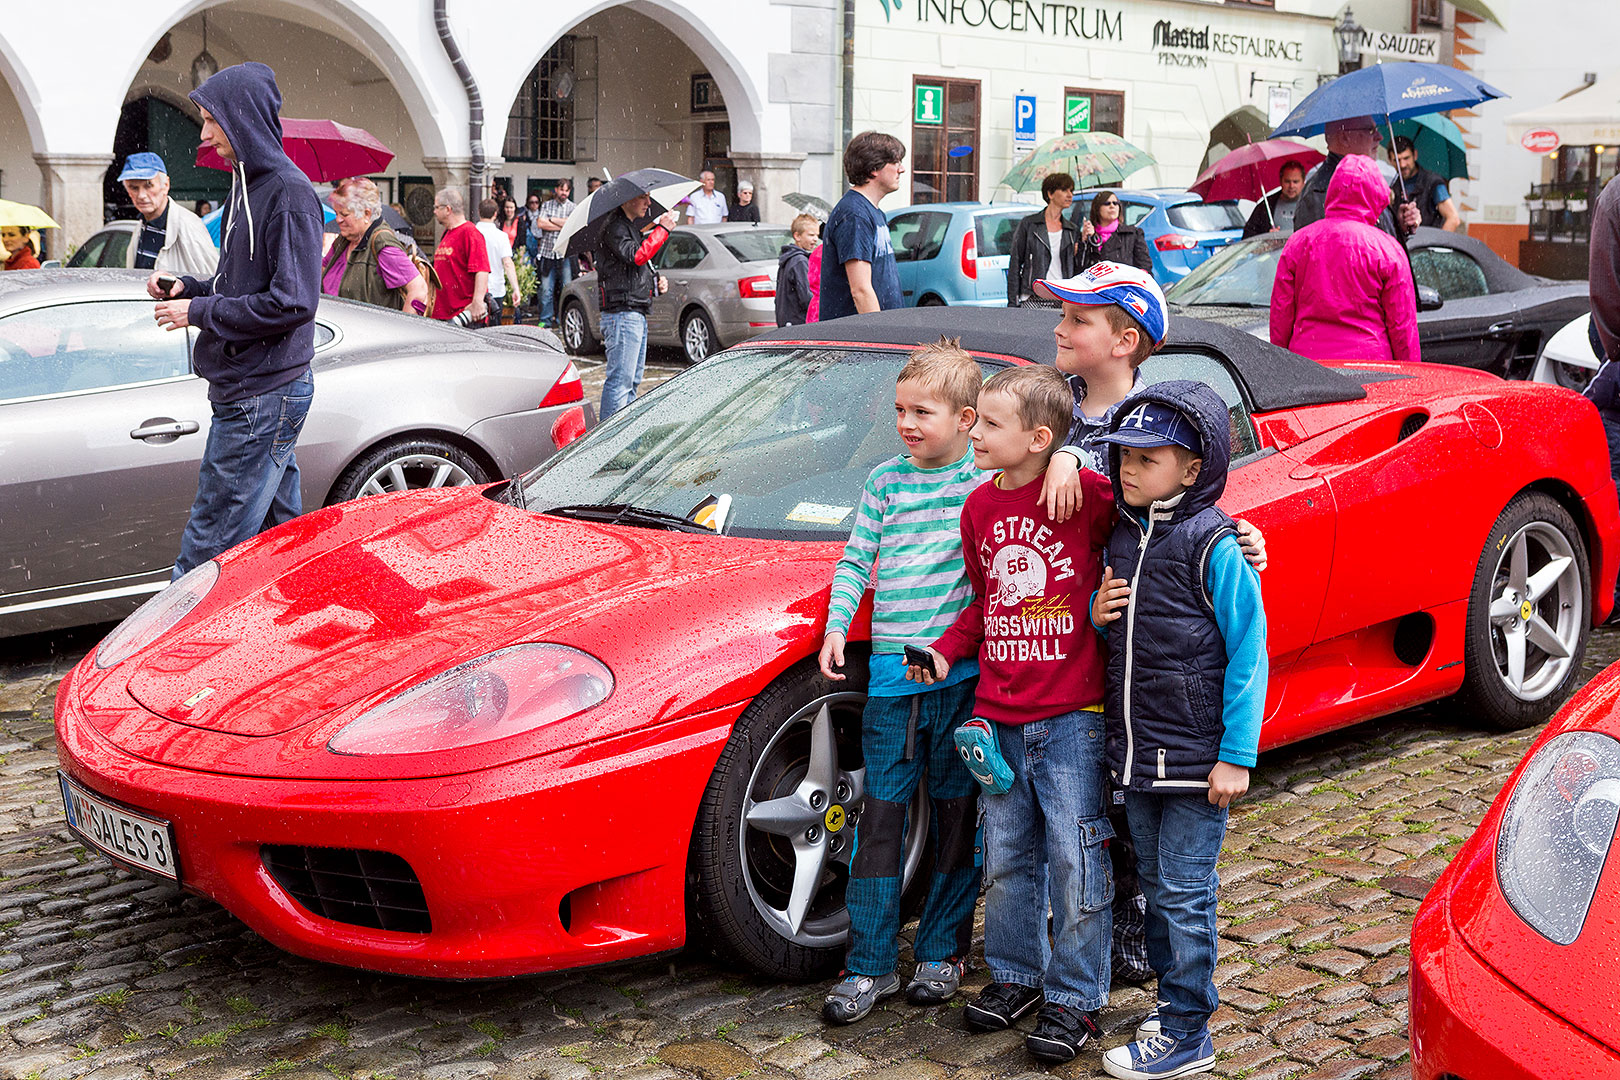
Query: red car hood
x=1573 y=981
x=355 y=600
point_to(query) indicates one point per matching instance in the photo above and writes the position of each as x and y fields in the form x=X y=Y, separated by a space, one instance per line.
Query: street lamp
x=204 y=66
x=1348 y=33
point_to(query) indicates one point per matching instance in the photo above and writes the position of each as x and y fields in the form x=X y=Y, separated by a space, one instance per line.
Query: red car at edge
x=575 y=717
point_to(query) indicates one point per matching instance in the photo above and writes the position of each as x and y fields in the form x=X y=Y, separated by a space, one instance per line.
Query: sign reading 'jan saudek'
x=1191 y=41
x=1023 y=16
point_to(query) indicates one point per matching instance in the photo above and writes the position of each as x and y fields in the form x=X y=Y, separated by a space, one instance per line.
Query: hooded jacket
x=1187 y=665
x=792 y=285
x=1313 y=197
x=1344 y=288
x=256 y=315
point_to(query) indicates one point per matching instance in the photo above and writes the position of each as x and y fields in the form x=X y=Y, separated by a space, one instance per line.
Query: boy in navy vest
x=1187 y=673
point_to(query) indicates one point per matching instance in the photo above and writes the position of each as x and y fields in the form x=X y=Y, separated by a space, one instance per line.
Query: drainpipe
x=475 y=107
x=849 y=74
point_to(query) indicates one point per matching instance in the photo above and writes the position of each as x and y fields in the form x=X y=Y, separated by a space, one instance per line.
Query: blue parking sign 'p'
x=1024 y=118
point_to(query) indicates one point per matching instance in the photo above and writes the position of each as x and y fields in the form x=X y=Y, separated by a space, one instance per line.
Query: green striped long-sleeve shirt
x=910 y=523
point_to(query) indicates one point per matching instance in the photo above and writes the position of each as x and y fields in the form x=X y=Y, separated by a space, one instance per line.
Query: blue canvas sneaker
x=1163 y=1055
x=976 y=742
x=1149 y=1026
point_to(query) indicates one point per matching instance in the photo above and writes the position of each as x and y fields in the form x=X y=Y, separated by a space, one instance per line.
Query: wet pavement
x=104 y=975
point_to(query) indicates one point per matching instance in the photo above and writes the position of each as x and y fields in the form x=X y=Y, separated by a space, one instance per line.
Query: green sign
x=929 y=106
x=1076 y=114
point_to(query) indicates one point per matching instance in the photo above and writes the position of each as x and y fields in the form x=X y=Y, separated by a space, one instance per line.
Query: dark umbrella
x=580 y=231
x=323 y=149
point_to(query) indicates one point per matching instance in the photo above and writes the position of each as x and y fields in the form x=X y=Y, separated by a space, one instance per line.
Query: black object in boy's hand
x=922 y=658
x=166 y=283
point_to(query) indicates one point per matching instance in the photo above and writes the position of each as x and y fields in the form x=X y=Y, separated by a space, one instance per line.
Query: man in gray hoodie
x=255 y=320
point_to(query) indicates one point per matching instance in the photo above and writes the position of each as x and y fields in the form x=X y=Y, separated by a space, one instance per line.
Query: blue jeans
x=249 y=476
x=624 y=339
x=873 y=891
x=553 y=276
x=1047 y=838
x=1178 y=839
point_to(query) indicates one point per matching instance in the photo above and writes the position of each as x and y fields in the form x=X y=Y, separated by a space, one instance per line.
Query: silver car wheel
x=415 y=471
x=573 y=328
x=1538 y=611
x=697 y=337
x=789 y=839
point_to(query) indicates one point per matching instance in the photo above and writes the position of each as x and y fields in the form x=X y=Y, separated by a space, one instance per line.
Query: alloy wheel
x=415 y=471
x=1537 y=611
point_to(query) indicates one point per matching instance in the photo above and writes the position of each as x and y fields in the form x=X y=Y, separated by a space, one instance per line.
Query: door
x=85 y=501
x=944 y=135
x=918 y=237
x=681 y=254
x=1473 y=329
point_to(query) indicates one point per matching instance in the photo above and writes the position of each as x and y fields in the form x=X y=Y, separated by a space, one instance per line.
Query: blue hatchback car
x=1182 y=229
x=955 y=253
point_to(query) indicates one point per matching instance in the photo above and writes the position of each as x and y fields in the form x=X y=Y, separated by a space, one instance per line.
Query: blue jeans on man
x=1178 y=840
x=553 y=276
x=624 y=340
x=248 y=481
x=872 y=893
x=1047 y=838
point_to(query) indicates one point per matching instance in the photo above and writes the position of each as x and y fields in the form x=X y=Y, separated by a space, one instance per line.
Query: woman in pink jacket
x=1344 y=287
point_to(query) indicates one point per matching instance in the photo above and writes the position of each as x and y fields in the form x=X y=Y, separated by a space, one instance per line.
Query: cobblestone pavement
x=106 y=976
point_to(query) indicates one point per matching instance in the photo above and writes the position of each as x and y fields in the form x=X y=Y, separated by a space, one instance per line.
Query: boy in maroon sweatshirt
x=1039 y=710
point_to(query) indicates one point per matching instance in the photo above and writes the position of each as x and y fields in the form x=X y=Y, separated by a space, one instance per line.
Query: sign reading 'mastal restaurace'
x=1171 y=40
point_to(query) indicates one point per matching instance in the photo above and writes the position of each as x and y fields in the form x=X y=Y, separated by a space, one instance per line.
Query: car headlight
x=502 y=693
x=152 y=618
x=1557 y=831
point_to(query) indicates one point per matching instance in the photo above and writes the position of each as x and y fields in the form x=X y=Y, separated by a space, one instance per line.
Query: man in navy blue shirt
x=857 y=264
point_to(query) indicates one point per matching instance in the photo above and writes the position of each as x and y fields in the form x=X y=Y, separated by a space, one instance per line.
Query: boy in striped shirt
x=909 y=525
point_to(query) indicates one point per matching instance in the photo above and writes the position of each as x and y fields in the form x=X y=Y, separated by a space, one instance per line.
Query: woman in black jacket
x=1105 y=238
x=1032 y=244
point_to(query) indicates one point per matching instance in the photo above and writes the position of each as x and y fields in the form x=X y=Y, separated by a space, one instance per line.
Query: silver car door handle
x=164 y=428
x=1500 y=327
x=680 y=281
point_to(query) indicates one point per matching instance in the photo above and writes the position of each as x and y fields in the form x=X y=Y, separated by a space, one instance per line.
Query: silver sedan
x=722 y=290
x=102 y=426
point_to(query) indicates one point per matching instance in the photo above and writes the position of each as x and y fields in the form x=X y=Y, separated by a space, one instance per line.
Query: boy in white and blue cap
x=1187 y=672
x=172 y=238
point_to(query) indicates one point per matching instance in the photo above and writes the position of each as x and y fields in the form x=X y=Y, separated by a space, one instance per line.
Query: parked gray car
x=102 y=426
x=722 y=290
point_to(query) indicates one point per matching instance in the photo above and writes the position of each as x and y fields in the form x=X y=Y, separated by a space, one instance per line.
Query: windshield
x=1240 y=276
x=756 y=245
x=783 y=439
x=1205 y=217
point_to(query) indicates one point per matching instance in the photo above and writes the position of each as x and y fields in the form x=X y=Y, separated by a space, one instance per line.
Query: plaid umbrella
x=1093 y=158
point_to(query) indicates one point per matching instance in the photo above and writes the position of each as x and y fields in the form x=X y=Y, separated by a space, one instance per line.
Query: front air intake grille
x=361 y=888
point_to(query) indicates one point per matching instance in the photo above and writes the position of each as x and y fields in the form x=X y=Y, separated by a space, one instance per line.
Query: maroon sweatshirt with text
x=1030 y=620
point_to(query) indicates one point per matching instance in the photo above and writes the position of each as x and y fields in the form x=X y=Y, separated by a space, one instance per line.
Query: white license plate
x=141 y=841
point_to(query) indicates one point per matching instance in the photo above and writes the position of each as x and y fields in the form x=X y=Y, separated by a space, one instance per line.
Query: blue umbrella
x=1388 y=92
x=211 y=220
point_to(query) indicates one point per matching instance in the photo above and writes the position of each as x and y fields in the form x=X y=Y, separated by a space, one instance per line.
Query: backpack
x=423 y=267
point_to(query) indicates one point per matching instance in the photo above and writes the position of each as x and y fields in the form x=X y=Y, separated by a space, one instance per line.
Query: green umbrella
x=1437 y=141
x=1093 y=158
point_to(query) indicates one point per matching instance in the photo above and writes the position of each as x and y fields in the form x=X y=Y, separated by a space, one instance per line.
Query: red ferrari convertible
x=575 y=717
x=1516 y=949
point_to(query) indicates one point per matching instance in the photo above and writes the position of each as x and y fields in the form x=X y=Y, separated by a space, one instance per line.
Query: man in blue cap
x=172 y=238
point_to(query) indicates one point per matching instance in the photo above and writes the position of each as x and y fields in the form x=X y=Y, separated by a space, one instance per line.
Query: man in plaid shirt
x=554 y=269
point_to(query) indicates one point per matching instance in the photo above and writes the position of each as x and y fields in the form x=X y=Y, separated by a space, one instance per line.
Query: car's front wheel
x=576 y=329
x=1528 y=617
x=407 y=464
x=776 y=830
x=698 y=337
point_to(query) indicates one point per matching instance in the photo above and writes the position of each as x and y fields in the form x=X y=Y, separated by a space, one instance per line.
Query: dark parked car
x=104 y=425
x=1491 y=315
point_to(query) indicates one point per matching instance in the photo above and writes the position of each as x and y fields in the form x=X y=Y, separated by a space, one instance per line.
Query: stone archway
x=20 y=138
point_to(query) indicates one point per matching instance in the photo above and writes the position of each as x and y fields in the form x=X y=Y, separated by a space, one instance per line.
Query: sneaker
x=856 y=995
x=1060 y=1033
x=1001 y=1005
x=1161 y=1056
x=1149 y=1026
x=976 y=742
x=935 y=981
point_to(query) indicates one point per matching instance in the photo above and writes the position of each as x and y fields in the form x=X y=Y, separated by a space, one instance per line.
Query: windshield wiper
x=626 y=514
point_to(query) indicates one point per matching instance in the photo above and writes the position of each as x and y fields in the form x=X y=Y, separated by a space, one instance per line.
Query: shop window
x=1093 y=110
x=553 y=117
x=945 y=118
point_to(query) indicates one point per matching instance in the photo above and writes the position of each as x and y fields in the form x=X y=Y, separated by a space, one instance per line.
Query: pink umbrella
x=323 y=149
x=1249 y=172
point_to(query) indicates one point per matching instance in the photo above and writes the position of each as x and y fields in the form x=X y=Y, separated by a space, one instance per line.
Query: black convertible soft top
x=1273 y=377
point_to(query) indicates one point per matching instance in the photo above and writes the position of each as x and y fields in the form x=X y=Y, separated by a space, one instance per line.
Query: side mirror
x=1428 y=298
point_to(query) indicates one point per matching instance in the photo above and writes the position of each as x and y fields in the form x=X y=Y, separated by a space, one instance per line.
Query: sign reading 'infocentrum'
x=1024 y=16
